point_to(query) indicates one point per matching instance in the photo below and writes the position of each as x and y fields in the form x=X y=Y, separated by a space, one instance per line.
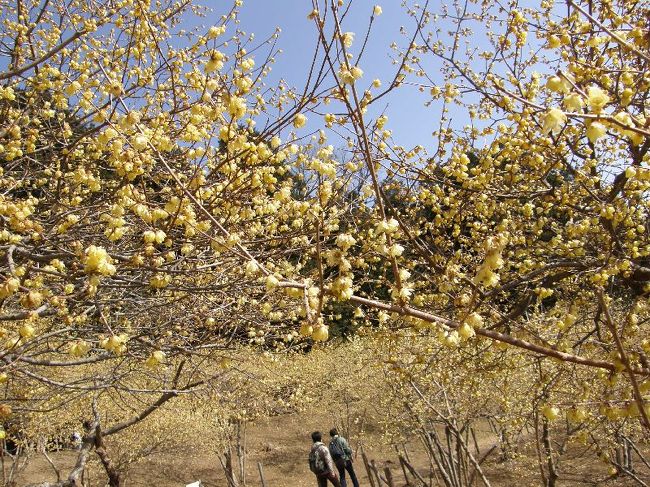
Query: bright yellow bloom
x=140 y=142
x=554 y=41
x=320 y=333
x=306 y=329
x=555 y=83
x=356 y=72
x=156 y=358
x=595 y=131
x=299 y=121
x=26 y=331
x=97 y=259
x=466 y=331
x=550 y=412
x=32 y=299
x=573 y=102
x=252 y=268
x=474 y=320
x=215 y=31
x=236 y=107
x=215 y=63
x=79 y=348
x=596 y=98
x=553 y=120
x=271 y=282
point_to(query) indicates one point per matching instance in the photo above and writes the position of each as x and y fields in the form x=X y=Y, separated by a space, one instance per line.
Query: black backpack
x=336 y=449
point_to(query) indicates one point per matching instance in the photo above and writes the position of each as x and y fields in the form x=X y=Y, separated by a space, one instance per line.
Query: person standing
x=342 y=456
x=320 y=462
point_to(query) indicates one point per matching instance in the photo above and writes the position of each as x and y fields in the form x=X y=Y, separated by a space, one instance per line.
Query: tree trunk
x=114 y=477
x=546 y=438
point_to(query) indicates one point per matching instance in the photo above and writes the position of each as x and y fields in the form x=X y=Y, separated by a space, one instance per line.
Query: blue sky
x=411 y=122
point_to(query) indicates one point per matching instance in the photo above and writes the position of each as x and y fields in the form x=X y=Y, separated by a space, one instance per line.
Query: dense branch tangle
x=509 y=232
x=134 y=191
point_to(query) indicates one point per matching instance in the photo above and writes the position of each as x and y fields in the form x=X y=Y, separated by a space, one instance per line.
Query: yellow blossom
x=573 y=102
x=32 y=299
x=299 y=120
x=555 y=83
x=215 y=31
x=553 y=121
x=26 y=331
x=596 y=98
x=252 y=268
x=79 y=348
x=356 y=72
x=306 y=329
x=140 y=142
x=595 y=130
x=347 y=38
x=271 y=282
x=236 y=107
x=554 y=41
x=474 y=320
x=156 y=358
x=466 y=331
x=98 y=260
x=320 y=333
x=551 y=412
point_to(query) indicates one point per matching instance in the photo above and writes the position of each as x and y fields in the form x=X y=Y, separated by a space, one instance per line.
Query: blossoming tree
x=159 y=207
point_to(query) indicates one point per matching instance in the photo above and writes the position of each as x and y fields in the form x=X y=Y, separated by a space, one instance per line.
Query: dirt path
x=281 y=444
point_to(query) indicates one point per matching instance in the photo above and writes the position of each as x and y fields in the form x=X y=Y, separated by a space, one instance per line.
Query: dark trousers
x=331 y=476
x=342 y=466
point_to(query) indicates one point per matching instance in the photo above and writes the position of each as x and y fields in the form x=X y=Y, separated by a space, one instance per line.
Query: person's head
x=334 y=432
x=316 y=436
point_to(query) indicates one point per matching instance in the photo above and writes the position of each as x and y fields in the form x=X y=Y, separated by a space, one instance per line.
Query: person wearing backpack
x=342 y=456
x=320 y=462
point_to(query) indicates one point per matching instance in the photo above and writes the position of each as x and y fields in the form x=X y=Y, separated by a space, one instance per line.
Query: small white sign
x=194 y=484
